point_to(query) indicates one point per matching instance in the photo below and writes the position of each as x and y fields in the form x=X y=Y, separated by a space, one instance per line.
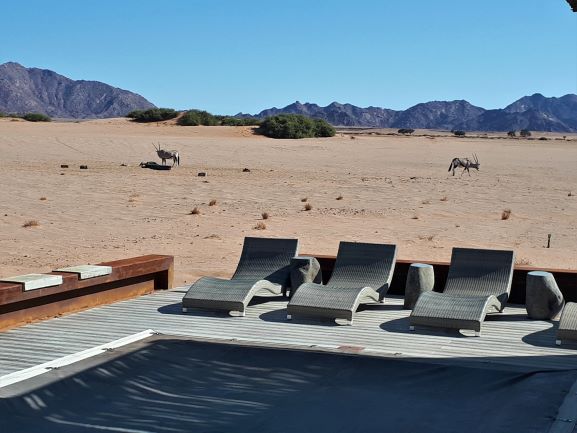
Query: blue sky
x=227 y=56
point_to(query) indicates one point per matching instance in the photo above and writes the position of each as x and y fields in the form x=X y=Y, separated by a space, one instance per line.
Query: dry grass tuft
x=260 y=226
x=308 y=206
x=444 y=198
x=195 y=211
x=523 y=262
x=427 y=237
x=212 y=202
x=506 y=214
x=415 y=217
x=568 y=195
x=133 y=197
x=340 y=197
x=304 y=199
x=31 y=223
x=264 y=215
x=42 y=198
x=426 y=202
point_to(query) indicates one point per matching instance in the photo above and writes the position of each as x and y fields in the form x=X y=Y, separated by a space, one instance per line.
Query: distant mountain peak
x=535 y=112
x=24 y=90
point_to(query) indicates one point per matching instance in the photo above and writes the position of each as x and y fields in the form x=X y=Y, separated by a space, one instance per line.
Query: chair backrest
x=266 y=259
x=478 y=272
x=363 y=264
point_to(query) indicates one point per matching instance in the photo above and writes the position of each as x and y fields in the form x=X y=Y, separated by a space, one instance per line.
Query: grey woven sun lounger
x=568 y=323
x=263 y=268
x=479 y=281
x=362 y=274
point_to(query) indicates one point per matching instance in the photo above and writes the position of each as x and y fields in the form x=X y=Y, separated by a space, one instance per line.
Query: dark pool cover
x=176 y=385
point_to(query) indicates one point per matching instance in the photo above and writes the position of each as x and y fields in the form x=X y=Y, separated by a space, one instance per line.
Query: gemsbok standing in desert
x=466 y=163
x=167 y=154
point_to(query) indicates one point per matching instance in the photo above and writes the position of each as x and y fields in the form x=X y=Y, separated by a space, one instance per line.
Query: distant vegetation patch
x=525 y=133
x=204 y=118
x=459 y=133
x=408 y=131
x=295 y=126
x=36 y=117
x=152 y=115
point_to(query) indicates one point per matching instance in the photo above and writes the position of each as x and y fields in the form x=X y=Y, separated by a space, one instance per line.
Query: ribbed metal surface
x=510 y=341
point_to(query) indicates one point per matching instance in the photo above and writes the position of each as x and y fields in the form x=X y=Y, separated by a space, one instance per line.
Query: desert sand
x=394 y=189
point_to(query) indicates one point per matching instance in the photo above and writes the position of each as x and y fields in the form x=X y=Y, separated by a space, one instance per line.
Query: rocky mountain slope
x=25 y=90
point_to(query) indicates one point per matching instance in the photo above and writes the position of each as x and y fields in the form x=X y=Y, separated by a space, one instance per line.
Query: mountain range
x=26 y=90
x=536 y=113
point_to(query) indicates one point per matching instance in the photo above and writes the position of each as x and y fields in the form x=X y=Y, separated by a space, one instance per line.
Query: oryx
x=466 y=163
x=167 y=154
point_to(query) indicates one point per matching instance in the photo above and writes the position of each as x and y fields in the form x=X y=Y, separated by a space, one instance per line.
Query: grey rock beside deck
x=510 y=339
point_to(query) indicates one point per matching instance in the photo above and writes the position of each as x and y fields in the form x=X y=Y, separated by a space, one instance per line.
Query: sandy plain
x=394 y=189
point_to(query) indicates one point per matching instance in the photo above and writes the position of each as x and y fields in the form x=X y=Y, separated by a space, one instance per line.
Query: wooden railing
x=129 y=278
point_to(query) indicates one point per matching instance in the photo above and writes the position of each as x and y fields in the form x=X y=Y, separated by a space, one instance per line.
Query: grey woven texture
x=263 y=266
x=362 y=274
x=479 y=281
x=568 y=323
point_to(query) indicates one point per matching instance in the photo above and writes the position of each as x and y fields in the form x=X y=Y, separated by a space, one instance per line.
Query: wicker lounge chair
x=362 y=274
x=568 y=323
x=479 y=281
x=263 y=267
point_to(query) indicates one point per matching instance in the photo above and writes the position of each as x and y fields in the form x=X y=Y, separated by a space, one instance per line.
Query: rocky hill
x=25 y=90
x=536 y=113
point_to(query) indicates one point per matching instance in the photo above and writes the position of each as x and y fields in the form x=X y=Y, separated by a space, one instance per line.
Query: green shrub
x=36 y=117
x=525 y=133
x=511 y=134
x=2 y=114
x=239 y=121
x=295 y=126
x=405 y=131
x=197 y=117
x=152 y=115
x=459 y=133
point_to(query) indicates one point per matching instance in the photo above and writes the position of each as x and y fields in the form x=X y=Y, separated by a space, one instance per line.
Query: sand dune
x=394 y=189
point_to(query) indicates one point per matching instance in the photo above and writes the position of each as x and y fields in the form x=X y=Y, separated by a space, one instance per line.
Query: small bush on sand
x=406 y=131
x=260 y=226
x=340 y=197
x=506 y=214
x=195 y=211
x=152 y=115
x=525 y=133
x=304 y=199
x=196 y=118
x=308 y=206
x=444 y=198
x=459 y=133
x=264 y=215
x=36 y=117
x=31 y=223
x=43 y=198
x=295 y=126
x=212 y=202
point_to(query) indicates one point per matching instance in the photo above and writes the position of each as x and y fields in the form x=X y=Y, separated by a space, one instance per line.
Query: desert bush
x=195 y=211
x=406 y=131
x=264 y=215
x=525 y=133
x=36 y=117
x=459 y=133
x=212 y=202
x=308 y=207
x=543 y=138
x=31 y=223
x=239 y=121
x=340 y=197
x=506 y=214
x=152 y=115
x=295 y=126
x=511 y=134
x=304 y=199
x=196 y=118
x=260 y=226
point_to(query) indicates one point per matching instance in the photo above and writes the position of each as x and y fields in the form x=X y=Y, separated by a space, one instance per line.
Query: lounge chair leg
x=477 y=333
x=289 y=317
x=411 y=328
x=351 y=322
x=184 y=310
x=243 y=313
x=558 y=342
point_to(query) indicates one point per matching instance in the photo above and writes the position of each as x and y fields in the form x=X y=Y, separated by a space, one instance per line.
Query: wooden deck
x=509 y=340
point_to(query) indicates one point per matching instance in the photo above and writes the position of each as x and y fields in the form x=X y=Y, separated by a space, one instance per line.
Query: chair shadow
x=500 y=317
x=279 y=316
x=547 y=337
x=176 y=309
x=401 y=326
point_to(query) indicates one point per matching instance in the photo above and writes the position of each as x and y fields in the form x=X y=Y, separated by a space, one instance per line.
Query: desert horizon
x=361 y=185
